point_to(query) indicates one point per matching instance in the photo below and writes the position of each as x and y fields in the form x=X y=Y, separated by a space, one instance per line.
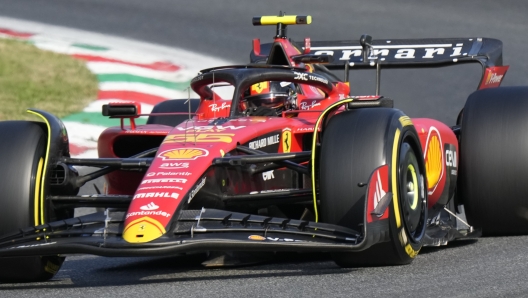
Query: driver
x=269 y=98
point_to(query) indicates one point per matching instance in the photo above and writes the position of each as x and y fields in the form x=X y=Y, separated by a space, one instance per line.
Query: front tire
x=22 y=156
x=355 y=143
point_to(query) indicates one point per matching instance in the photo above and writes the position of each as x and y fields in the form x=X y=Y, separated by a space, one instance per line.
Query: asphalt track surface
x=487 y=267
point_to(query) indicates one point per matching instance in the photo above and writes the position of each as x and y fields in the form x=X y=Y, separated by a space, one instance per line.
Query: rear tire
x=355 y=143
x=494 y=160
x=173 y=106
x=22 y=153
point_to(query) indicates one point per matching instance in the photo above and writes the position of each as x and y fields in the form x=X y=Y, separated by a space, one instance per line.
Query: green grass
x=33 y=78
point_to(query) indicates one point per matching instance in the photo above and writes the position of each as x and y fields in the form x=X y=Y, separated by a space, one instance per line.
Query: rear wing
x=406 y=53
x=403 y=53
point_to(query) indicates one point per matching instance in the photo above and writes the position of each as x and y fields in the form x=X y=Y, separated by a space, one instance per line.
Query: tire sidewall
x=24 y=146
x=406 y=245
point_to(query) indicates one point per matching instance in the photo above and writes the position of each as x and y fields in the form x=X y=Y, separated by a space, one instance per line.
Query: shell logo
x=433 y=158
x=183 y=154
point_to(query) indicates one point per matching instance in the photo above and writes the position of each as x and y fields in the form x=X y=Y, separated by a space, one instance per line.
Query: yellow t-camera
x=285 y=20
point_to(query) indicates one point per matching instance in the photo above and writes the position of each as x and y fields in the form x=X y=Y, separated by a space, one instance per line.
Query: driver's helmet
x=271 y=94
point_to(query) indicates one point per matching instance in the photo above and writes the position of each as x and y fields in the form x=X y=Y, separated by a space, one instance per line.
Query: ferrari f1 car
x=288 y=162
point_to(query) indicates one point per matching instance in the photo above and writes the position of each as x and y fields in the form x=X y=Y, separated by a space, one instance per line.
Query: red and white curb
x=126 y=70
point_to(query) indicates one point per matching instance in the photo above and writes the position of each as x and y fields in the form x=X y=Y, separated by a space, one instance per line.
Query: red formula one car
x=288 y=162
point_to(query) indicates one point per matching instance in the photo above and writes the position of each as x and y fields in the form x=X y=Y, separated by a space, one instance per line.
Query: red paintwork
x=426 y=128
x=493 y=77
x=215 y=140
x=378 y=186
x=125 y=182
x=189 y=148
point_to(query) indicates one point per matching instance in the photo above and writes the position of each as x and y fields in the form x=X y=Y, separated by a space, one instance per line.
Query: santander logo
x=149 y=206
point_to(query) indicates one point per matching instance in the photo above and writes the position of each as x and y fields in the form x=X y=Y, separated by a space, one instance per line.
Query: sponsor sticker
x=160 y=187
x=183 y=154
x=451 y=159
x=493 y=77
x=318 y=79
x=258 y=88
x=304 y=129
x=256 y=237
x=433 y=159
x=300 y=76
x=286 y=140
x=164 y=180
x=306 y=106
x=216 y=108
x=196 y=190
x=169 y=174
x=209 y=128
x=425 y=51
x=200 y=138
x=268 y=175
x=167 y=195
x=174 y=165
x=274 y=239
x=145 y=213
x=378 y=187
x=264 y=142
x=149 y=206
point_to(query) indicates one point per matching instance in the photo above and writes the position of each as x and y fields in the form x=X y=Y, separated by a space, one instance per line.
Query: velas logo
x=493 y=78
x=149 y=206
x=183 y=154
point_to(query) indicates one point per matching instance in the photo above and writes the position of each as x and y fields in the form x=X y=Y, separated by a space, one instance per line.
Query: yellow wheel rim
x=414 y=187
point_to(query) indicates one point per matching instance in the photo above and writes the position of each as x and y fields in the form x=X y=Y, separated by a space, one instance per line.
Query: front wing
x=193 y=231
